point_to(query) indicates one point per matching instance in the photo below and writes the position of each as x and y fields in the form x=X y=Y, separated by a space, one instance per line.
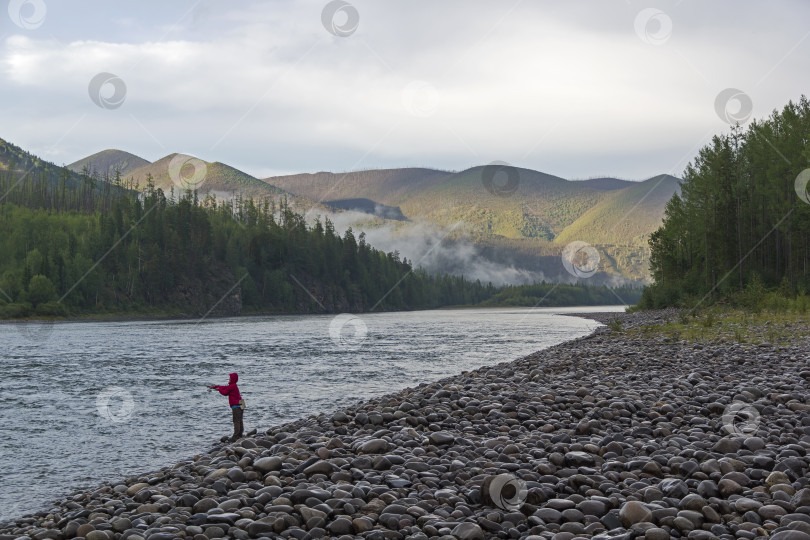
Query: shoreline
x=611 y=435
x=115 y=317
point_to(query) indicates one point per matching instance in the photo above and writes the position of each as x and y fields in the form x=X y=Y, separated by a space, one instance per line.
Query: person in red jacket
x=235 y=402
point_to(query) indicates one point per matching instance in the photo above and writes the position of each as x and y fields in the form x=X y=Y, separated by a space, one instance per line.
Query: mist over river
x=86 y=402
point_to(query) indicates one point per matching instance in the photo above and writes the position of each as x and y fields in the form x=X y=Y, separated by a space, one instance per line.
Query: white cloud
x=563 y=89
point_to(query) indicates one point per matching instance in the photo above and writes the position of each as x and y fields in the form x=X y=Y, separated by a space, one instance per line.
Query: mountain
x=621 y=224
x=174 y=171
x=108 y=161
x=25 y=177
x=606 y=184
x=514 y=215
x=223 y=180
x=541 y=205
x=628 y=214
x=386 y=186
x=528 y=204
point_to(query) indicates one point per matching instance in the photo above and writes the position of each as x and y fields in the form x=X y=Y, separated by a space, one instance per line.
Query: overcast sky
x=577 y=89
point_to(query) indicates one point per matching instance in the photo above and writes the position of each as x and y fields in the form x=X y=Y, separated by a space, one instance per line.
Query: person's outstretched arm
x=224 y=390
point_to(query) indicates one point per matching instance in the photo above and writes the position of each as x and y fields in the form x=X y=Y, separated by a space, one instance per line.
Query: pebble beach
x=615 y=435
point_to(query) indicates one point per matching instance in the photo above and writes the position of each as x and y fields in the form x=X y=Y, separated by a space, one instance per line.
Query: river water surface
x=87 y=402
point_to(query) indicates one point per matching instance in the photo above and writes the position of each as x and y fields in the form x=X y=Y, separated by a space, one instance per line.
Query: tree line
x=740 y=224
x=562 y=294
x=94 y=245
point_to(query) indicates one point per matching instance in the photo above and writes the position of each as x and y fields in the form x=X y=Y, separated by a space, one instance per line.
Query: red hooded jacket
x=231 y=390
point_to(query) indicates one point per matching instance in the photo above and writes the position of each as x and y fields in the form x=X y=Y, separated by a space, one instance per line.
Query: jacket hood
x=234 y=378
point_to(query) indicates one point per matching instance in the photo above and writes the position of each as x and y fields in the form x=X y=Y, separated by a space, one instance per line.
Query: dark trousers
x=238 y=428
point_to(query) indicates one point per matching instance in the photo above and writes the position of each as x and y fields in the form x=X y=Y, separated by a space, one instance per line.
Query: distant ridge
x=520 y=216
x=385 y=186
x=529 y=223
x=606 y=184
x=108 y=161
x=220 y=179
x=626 y=215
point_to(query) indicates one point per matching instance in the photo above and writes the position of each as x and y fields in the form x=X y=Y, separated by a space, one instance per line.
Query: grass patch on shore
x=719 y=324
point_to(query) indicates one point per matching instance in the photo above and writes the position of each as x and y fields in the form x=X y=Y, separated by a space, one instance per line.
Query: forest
x=562 y=294
x=741 y=227
x=84 y=244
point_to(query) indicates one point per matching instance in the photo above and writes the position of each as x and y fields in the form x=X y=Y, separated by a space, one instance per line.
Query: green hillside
x=624 y=216
x=621 y=224
x=219 y=178
x=26 y=178
x=108 y=162
x=540 y=207
x=514 y=215
x=14 y=157
x=386 y=186
x=525 y=220
x=606 y=184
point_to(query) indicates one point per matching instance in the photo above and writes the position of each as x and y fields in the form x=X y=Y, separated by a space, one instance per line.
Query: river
x=86 y=402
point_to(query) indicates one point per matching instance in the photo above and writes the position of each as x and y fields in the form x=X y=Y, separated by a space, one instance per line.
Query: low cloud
x=446 y=250
x=433 y=248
